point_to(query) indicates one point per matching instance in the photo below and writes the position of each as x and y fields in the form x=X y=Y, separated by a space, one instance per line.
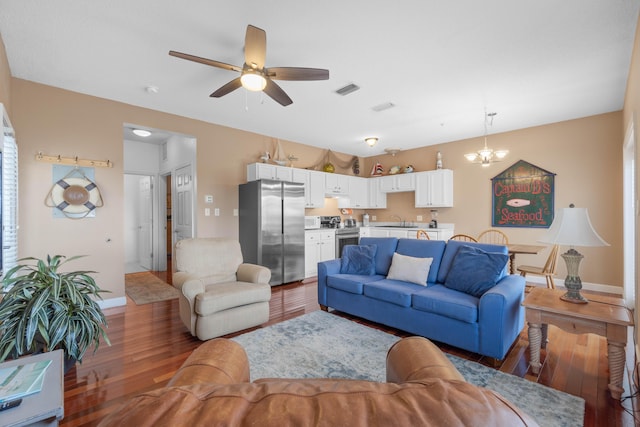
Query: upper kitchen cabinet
x=397 y=183
x=313 y=186
x=256 y=171
x=377 y=199
x=358 y=193
x=336 y=184
x=434 y=189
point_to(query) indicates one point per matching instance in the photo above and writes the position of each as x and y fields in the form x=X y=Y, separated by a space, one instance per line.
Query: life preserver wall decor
x=73 y=193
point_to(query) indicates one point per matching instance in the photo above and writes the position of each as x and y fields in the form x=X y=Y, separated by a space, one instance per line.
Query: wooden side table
x=45 y=408
x=605 y=316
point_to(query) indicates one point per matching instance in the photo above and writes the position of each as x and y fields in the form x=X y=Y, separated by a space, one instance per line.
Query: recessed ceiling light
x=382 y=107
x=142 y=132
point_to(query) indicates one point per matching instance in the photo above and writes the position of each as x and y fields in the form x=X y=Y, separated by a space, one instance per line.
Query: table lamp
x=572 y=227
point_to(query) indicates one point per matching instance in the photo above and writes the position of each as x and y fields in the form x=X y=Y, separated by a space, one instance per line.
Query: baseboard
x=596 y=287
x=112 y=302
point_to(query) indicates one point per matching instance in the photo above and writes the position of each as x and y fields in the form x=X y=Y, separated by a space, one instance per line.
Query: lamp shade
x=572 y=227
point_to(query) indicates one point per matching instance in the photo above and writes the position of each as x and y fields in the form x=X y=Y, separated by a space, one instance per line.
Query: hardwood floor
x=149 y=343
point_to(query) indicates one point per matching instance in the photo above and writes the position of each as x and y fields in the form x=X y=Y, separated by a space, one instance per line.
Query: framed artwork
x=522 y=196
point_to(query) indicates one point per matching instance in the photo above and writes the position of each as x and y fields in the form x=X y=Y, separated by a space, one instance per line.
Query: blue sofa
x=486 y=324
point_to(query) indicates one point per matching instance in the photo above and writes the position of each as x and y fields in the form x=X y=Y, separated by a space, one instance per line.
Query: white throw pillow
x=409 y=269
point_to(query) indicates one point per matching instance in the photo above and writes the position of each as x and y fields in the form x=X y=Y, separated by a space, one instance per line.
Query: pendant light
x=486 y=155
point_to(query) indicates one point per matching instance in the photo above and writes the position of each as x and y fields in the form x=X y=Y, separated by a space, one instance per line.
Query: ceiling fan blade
x=205 y=61
x=297 y=73
x=228 y=88
x=255 y=47
x=276 y=92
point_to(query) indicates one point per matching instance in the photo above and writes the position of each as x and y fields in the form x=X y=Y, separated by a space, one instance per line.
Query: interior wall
x=56 y=121
x=5 y=79
x=585 y=155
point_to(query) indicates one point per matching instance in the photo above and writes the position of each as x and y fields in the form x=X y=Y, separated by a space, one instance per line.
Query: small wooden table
x=605 y=316
x=520 y=249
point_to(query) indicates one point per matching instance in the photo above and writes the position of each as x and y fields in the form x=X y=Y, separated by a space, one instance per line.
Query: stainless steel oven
x=346 y=236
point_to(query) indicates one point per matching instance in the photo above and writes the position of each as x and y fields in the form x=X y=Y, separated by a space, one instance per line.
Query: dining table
x=519 y=248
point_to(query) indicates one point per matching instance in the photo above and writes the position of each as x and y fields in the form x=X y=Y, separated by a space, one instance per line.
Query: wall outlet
x=208 y=198
x=216 y=211
x=207 y=212
x=373 y=217
x=419 y=218
x=235 y=212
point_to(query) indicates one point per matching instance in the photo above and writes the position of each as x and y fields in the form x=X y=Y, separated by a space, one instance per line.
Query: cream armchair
x=219 y=294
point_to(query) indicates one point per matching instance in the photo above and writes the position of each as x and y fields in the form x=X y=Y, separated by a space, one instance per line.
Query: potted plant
x=43 y=309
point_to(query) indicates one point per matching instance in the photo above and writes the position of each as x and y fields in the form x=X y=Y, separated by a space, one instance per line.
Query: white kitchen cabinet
x=256 y=171
x=377 y=199
x=434 y=189
x=319 y=245
x=410 y=233
x=336 y=184
x=358 y=192
x=313 y=186
x=397 y=183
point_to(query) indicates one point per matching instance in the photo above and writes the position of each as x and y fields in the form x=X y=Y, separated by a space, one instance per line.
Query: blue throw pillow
x=474 y=271
x=358 y=259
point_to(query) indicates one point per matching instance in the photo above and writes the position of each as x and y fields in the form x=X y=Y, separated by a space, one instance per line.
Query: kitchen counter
x=443 y=232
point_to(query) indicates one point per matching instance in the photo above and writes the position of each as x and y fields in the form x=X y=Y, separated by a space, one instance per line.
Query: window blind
x=9 y=197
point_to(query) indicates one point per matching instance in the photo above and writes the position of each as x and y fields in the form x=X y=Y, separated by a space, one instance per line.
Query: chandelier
x=486 y=156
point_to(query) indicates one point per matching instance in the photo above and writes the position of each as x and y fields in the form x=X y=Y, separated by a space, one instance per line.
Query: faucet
x=399 y=218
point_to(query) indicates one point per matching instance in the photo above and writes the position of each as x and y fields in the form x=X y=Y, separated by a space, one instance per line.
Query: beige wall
x=56 y=121
x=5 y=78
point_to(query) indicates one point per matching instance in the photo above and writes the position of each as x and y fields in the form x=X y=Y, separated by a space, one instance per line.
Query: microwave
x=311 y=222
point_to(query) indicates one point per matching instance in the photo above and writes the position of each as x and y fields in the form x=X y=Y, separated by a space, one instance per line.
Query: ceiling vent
x=346 y=90
x=382 y=107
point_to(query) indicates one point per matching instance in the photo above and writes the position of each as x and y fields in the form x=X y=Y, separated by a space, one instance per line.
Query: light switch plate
x=208 y=198
x=216 y=211
x=419 y=218
x=235 y=212
x=207 y=212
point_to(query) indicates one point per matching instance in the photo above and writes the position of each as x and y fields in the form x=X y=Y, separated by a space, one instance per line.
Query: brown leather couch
x=424 y=389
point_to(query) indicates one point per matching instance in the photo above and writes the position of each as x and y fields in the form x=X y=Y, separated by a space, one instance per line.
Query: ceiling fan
x=254 y=75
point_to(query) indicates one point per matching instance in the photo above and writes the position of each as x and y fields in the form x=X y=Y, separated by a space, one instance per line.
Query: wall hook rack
x=74 y=161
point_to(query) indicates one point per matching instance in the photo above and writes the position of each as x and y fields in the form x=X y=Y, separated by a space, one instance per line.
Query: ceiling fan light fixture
x=141 y=132
x=371 y=141
x=253 y=81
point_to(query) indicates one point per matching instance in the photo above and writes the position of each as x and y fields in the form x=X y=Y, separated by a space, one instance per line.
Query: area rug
x=321 y=344
x=146 y=288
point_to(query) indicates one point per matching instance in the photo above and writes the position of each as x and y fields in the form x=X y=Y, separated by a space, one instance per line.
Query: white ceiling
x=441 y=63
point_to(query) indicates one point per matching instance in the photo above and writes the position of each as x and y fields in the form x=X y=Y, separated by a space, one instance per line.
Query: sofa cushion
x=223 y=296
x=351 y=283
x=358 y=259
x=424 y=249
x=409 y=269
x=439 y=299
x=474 y=271
x=386 y=246
x=452 y=249
x=394 y=291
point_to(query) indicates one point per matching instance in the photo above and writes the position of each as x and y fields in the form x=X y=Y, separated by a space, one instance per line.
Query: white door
x=145 y=222
x=182 y=200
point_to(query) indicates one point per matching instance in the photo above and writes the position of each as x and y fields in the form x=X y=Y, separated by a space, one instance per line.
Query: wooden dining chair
x=422 y=235
x=548 y=271
x=493 y=236
x=463 y=238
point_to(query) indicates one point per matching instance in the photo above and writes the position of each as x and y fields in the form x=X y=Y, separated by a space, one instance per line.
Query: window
x=8 y=195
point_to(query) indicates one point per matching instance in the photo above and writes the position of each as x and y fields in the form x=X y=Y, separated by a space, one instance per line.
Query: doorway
x=138 y=223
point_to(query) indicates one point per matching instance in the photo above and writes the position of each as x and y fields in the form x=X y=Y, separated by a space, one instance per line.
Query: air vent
x=346 y=90
x=382 y=107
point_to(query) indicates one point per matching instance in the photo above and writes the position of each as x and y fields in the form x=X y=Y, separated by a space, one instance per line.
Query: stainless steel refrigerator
x=271 y=231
